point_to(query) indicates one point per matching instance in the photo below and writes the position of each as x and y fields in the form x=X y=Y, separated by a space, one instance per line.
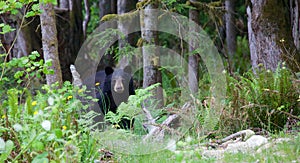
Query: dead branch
x=150 y=119
x=244 y=133
x=76 y=76
x=157 y=131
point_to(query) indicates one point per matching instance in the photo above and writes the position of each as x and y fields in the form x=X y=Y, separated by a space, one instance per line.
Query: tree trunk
x=230 y=29
x=27 y=39
x=295 y=21
x=70 y=34
x=125 y=6
x=270 y=35
x=151 y=61
x=49 y=41
x=107 y=7
x=64 y=4
x=193 y=68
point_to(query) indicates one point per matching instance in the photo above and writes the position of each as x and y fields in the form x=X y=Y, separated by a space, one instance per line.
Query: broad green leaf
x=6 y=29
x=30 y=14
x=42 y=158
x=38 y=146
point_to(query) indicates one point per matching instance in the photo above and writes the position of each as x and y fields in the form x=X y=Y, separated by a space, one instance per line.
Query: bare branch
x=157 y=130
x=76 y=76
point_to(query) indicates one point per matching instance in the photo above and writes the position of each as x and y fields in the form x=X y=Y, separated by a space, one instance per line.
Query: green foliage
x=23 y=72
x=132 y=108
x=54 y=121
x=35 y=10
x=54 y=2
x=5 y=29
x=185 y=152
x=175 y=5
x=242 y=65
x=11 y=6
x=94 y=21
x=263 y=99
x=170 y=84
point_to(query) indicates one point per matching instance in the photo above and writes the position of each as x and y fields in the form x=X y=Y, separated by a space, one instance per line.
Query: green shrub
x=49 y=126
x=262 y=100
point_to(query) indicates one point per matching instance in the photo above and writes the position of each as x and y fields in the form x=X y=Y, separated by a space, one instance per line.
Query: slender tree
x=49 y=41
x=230 y=28
x=107 y=7
x=69 y=24
x=295 y=20
x=125 y=6
x=151 y=61
x=193 y=68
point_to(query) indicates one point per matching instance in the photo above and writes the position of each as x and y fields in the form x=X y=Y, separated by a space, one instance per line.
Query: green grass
x=286 y=151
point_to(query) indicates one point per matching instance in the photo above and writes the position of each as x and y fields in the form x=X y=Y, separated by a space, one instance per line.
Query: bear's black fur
x=116 y=87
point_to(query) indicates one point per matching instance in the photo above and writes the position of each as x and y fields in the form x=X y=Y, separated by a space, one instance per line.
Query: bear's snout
x=119 y=87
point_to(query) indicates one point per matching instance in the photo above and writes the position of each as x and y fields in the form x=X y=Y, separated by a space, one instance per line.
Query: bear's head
x=120 y=79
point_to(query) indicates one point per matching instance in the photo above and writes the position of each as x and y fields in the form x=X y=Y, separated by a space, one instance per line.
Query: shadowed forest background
x=46 y=116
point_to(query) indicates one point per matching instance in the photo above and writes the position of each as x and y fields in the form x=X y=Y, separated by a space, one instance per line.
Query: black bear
x=115 y=88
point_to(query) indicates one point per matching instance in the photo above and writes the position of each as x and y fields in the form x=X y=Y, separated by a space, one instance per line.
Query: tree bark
x=193 y=69
x=230 y=28
x=64 y=4
x=107 y=7
x=295 y=21
x=49 y=41
x=125 y=6
x=151 y=61
x=70 y=34
x=27 y=39
x=270 y=35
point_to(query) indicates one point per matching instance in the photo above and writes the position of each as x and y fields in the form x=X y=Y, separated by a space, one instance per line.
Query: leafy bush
x=262 y=100
x=26 y=71
x=132 y=108
x=49 y=126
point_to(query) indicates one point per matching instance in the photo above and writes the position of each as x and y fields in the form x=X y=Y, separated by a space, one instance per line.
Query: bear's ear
x=127 y=69
x=109 y=70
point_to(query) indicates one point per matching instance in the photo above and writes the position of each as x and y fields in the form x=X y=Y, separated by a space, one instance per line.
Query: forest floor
x=257 y=148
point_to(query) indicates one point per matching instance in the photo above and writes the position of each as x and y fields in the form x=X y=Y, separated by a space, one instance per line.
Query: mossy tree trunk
x=151 y=59
x=125 y=6
x=270 y=35
x=49 y=42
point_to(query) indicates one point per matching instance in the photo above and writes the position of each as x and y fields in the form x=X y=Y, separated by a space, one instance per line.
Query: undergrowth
x=263 y=100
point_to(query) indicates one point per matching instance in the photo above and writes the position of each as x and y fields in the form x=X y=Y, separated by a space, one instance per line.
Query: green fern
x=263 y=98
x=13 y=102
